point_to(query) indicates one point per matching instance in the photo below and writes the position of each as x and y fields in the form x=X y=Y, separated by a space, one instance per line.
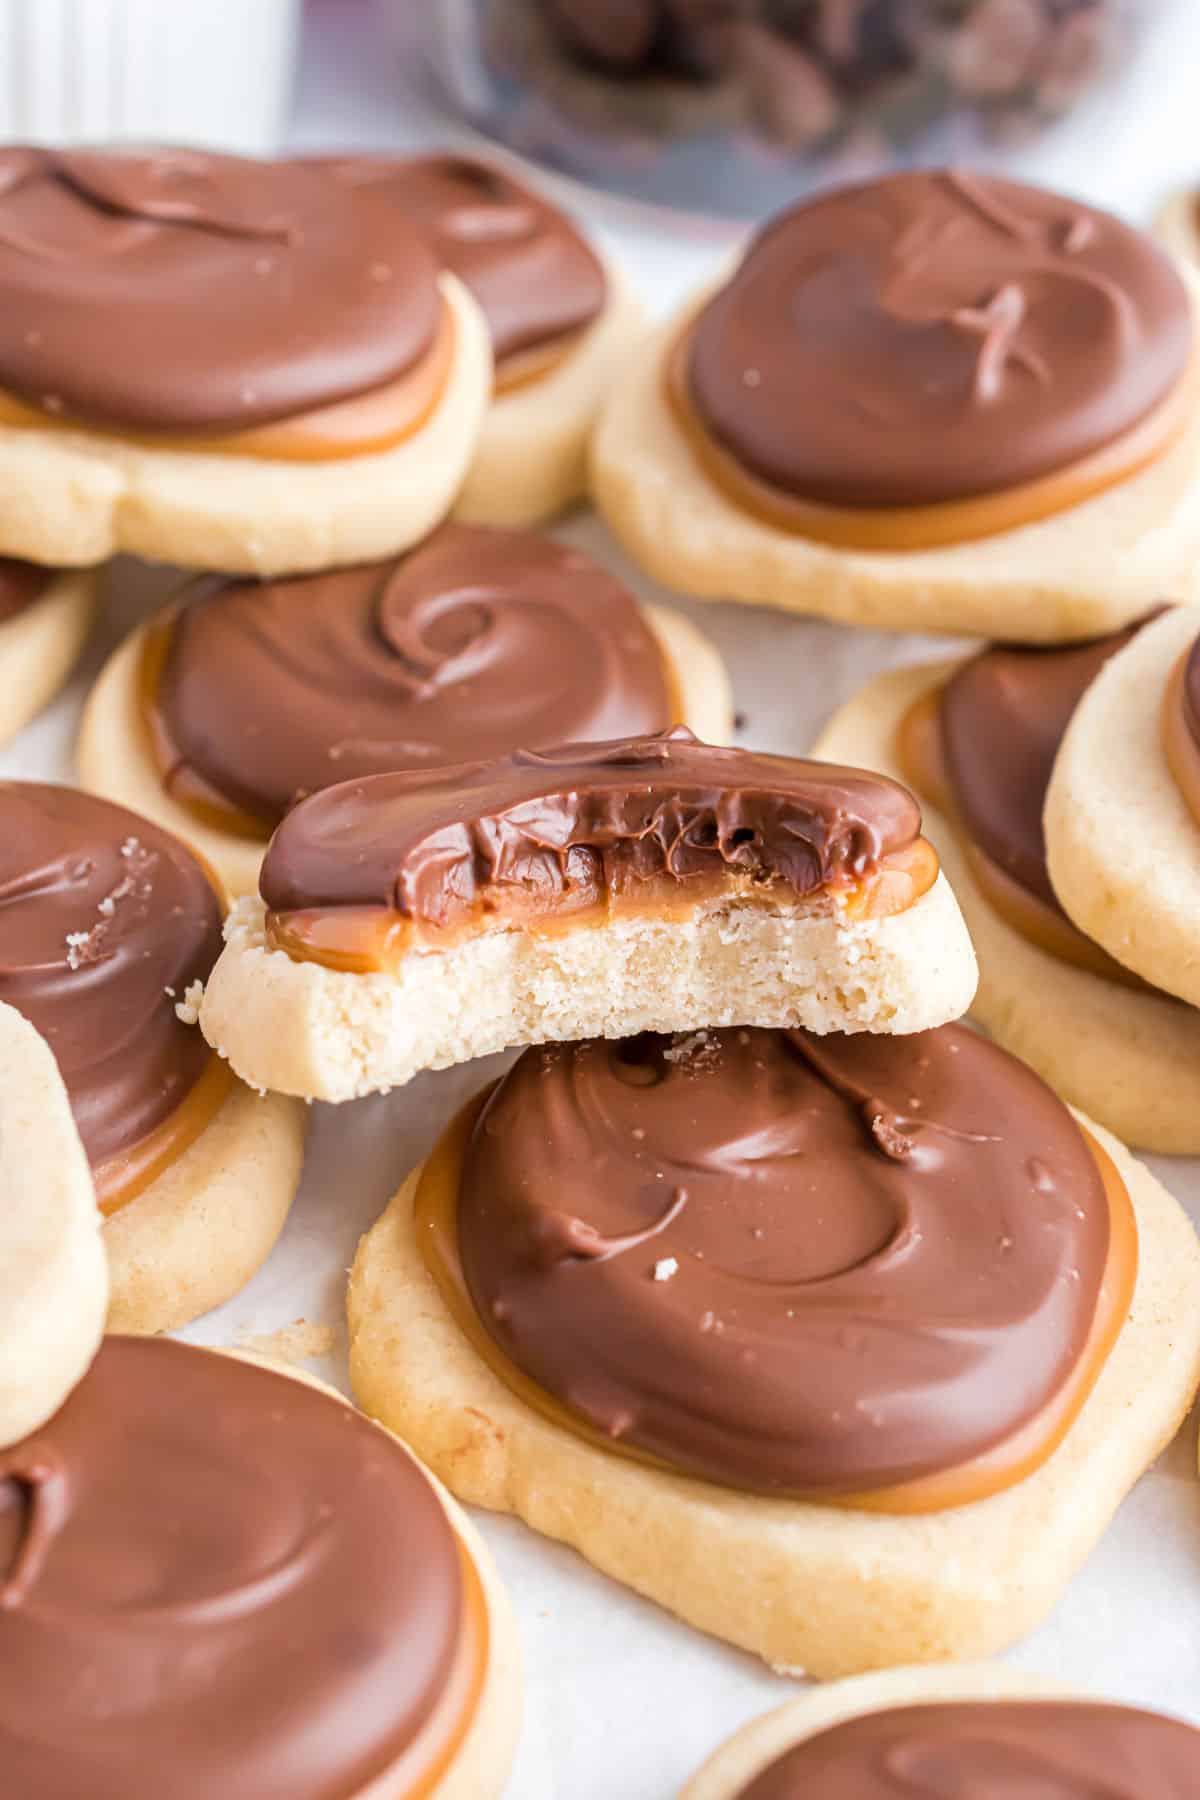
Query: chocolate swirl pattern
x=821 y=1265
x=935 y=336
x=980 y=1750
x=21 y=583
x=476 y=643
x=148 y=290
x=216 y=1580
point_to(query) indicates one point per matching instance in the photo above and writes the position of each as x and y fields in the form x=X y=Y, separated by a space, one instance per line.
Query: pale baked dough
x=1123 y=846
x=763 y=1741
x=809 y=1588
x=40 y=645
x=302 y=1028
x=197 y=1234
x=1175 y=227
x=531 y=461
x=116 y=760
x=53 y=1276
x=1082 y=572
x=71 y=496
x=1130 y=1060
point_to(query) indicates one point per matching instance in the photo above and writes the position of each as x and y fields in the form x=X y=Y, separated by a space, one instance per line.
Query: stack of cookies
x=788 y=1298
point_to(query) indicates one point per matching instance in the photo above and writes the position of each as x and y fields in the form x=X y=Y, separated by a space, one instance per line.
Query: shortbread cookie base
x=73 y=496
x=1176 y=227
x=301 y=1028
x=53 y=1275
x=531 y=462
x=1123 y=846
x=116 y=761
x=40 y=645
x=197 y=1234
x=756 y=1746
x=810 y=1588
x=1082 y=572
x=1130 y=1060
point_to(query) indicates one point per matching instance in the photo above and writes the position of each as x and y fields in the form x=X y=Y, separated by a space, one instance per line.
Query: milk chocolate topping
x=820 y=1264
x=935 y=335
x=477 y=643
x=219 y=1581
x=104 y=922
x=176 y=290
x=991 y=1750
x=582 y=820
x=20 y=585
x=1003 y=716
x=532 y=273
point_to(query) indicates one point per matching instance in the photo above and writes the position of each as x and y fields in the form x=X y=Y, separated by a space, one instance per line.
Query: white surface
x=622 y=1702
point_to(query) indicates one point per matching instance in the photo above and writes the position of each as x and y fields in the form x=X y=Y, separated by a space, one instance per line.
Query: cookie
x=224 y=441
x=780 y=1362
x=479 y=643
x=53 y=1276
x=1125 y=1055
x=44 y=622
x=406 y=922
x=989 y=1724
x=886 y=416
x=562 y=319
x=107 y=933
x=1178 y=226
x=1122 y=836
x=317 y=1616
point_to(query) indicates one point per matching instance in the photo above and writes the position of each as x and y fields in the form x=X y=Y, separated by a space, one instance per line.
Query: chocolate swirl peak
x=105 y=921
x=215 y=1579
x=21 y=583
x=582 y=822
x=817 y=1265
x=933 y=336
x=535 y=277
x=476 y=643
x=175 y=290
x=989 y=1749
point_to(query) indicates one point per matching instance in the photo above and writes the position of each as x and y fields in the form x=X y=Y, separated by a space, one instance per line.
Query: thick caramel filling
x=367 y=939
x=435 y=1214
x=521 y=368
x=1179 y=744
x=929 y=527
x=417 y=1774
x=122 y=1178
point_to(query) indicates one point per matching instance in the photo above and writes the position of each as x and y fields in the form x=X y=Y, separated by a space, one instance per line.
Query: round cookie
x=1122 y=842
x=245 y=448
x=1178 y=226
x=563 y=321
x=53 y=1276
x=729 y=1774
x=889 y=384
x=827 y=1589
x=478 y=643
x=44 y=622
x=319 y=1616
x=1129 y=1059
x=107 y=934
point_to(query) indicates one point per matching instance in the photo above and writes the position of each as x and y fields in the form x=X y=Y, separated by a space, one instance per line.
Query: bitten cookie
x=407 y=922
x=844 y=1349
x=1123 y=810
x=1125 y=1054
x=210 y=361
x=561 y=317
x=934 y=402
x=108 y=931
x=318 y=1616
x=45 y=618
x=53 y=1276
x=872 y=1738
x=479 y=643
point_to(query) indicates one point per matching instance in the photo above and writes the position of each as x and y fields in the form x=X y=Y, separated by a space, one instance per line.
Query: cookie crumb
x=187 y=1010
x=665 y=1268
x=297 y=1342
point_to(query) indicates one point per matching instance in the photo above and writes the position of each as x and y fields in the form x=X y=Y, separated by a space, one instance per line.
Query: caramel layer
x=521 y=368
x=435 y=1208
x=1179 y=745
x=929 y=527
x=419 y=1771
x=122 y=1178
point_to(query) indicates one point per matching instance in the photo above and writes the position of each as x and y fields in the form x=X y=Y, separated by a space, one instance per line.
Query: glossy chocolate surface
x=933 y=336
x=21 y=583
x=105 y=920
x=823 y=1265
x=178 y=291
x=571 y=825
x=215 y=1580
x=477 y=643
